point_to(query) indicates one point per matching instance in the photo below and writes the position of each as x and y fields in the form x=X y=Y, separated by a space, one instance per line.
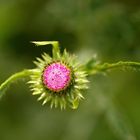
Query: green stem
x=97 y=68
x=55 y=45
x=13 y=78
x=56 y=49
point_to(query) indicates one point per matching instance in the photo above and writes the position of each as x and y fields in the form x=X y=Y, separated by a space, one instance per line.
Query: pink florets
x=56 y=76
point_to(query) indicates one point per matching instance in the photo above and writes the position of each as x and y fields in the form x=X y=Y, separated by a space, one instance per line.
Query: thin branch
x=13 y=78
x=55 y=45
x=97 y=68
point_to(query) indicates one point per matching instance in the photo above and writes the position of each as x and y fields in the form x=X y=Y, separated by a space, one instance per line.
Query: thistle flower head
x=58 y=79
x=56 y=76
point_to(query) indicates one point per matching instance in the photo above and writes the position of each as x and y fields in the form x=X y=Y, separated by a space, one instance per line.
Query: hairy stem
x=93 y=68
x=13 y=78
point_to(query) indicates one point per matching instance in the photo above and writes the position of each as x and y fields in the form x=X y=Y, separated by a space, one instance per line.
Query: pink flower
x=56 y=76
x=59 y=79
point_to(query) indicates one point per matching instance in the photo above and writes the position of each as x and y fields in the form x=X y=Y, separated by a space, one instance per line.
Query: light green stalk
x=93 y=68
x=55 y=44
x=13 y=78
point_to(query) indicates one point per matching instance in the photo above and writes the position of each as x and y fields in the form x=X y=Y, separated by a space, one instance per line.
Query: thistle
x=58 y=80
x=61 y=80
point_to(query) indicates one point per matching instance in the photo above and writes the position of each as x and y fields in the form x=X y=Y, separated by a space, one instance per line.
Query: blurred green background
x=108 y=29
